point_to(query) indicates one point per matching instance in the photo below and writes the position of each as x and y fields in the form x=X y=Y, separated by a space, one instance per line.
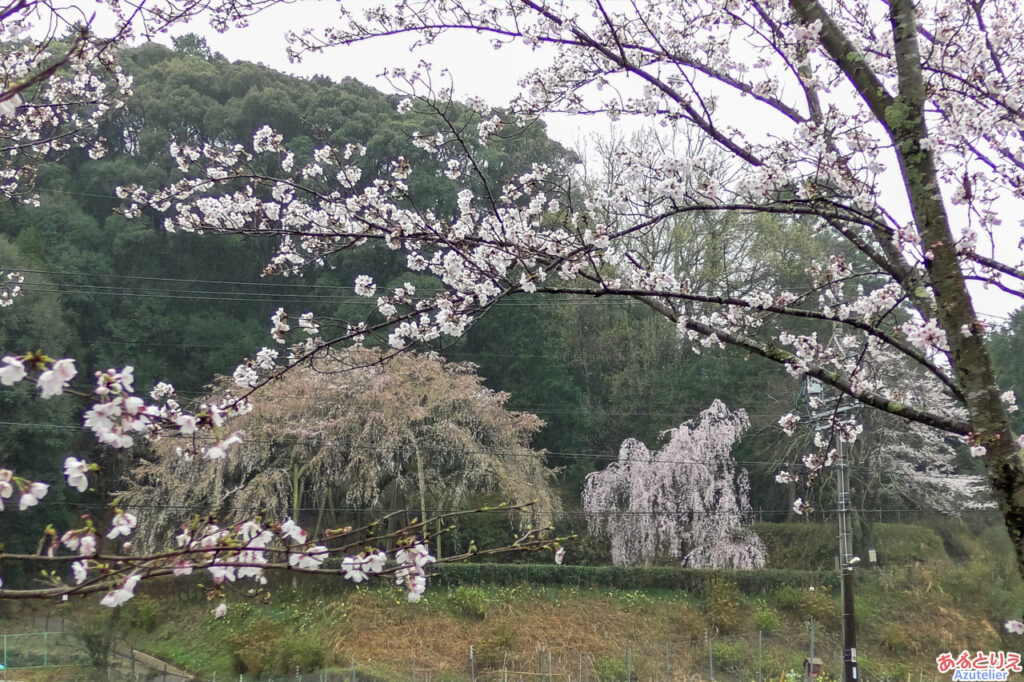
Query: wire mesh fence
x=768 y=656
x=40 y=650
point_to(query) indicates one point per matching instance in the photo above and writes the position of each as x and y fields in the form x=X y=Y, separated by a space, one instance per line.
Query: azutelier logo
x=994 y=666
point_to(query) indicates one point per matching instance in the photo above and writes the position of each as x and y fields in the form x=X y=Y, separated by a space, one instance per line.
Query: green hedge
x=812 y=546
x=623 y=577
x=802 y=546
x=902 y=544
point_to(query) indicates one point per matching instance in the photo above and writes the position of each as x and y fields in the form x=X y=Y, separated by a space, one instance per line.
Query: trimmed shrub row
x=624 y=577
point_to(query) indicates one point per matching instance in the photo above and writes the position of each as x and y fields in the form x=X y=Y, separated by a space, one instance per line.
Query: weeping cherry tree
x=685 y=501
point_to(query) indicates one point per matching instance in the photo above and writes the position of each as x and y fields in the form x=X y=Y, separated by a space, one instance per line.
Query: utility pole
x=812 y=387
x=846 y=563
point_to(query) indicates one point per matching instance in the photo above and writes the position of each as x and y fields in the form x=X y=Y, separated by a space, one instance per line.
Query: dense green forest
x=185 y=308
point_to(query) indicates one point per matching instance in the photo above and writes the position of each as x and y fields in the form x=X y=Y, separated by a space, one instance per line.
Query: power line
x=505 y=510
x=98 y=290
x=499 y=453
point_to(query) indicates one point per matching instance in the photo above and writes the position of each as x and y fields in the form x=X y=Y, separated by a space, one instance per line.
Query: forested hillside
x=185 y=308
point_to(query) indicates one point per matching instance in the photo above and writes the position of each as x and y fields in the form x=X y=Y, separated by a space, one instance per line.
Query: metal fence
x=41 y=650
x=768 y=656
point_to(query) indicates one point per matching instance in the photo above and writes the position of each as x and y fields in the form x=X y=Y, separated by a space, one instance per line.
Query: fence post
x=46 y=641
x=472 y=664
x=759 y=667
x=711 y=657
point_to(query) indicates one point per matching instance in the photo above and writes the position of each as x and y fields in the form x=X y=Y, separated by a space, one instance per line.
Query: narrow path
x=166 y=671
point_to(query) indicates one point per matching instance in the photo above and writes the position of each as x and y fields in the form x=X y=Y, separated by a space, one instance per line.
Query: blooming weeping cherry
x=684 y=501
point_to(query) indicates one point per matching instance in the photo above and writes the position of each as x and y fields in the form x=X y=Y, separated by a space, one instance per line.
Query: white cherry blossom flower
x=788 y=423
x=30 y=496
x=87 y=545
x=76 y=471
x=53 y=381
x=123 y=593
x=123 y=523
x=219 y=450
x=800 y=507
x=161 y=390
x=309 y=559
x=186 y=424
x=365 y=286
x=354 y=568
x=6 y=488
x=12 y=372
x=291 y=531
x=375 y=561
x=417 y=585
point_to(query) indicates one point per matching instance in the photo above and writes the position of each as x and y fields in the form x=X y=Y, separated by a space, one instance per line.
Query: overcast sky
x=476 y=67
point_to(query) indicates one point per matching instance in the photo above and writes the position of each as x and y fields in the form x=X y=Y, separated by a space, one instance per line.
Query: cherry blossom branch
x=870 y=329
x=827 y=376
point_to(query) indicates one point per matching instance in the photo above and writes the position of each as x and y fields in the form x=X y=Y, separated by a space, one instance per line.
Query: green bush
x=265 y=648
x=730 y=656
x=906 y=544
x=611 y=669
x=471 y=602
x=805 y=603
x=765 y=617
x=789 y=597
x=722 y=605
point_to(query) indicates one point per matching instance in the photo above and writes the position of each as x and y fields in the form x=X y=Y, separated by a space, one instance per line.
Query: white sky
x=476 y=67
